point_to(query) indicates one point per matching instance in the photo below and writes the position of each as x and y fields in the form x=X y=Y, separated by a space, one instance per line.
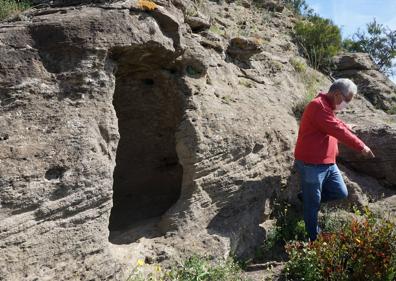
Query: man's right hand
x=367 y=152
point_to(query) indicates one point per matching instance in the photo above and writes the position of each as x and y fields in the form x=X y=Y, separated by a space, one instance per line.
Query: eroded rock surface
x=375 y=86
x=127 y=134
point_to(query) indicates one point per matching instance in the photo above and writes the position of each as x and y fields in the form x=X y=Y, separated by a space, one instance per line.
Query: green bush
x=319 y=40
x=12 y=7
x=364 y=249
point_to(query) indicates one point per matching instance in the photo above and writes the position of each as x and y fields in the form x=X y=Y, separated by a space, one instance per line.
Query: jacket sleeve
x=325 y=120
x=344 y=124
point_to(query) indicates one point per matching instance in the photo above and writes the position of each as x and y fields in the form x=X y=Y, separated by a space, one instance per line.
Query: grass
x=311 y=82
x=246 y=83
x=392 y=110
x=214 y=28
x=195 y=268
x=298 y=64
x=10 y=8
x=227 y=99
x=298 y=108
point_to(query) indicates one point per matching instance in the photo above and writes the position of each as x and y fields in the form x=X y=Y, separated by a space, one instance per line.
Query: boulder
x=380 y=140
x=354 y=61
x=243 y=47
x=273 y=5
x=197 y=23
x=375 y=86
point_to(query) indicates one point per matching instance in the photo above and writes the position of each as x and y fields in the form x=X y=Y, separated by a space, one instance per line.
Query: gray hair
x=345 y=86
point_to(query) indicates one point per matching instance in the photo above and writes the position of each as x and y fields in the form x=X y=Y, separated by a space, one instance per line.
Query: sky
x=350 y=15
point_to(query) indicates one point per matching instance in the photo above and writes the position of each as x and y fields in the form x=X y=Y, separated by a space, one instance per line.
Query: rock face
x=375 y=86
x=382 y=167
x=125 y=136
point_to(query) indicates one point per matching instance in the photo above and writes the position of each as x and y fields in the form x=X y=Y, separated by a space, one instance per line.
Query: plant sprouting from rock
x=12 y=7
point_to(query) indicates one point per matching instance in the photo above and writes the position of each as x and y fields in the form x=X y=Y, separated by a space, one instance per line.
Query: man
x=317 y=147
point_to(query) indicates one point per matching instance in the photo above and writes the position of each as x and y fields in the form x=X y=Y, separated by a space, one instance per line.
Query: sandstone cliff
x=135 y=132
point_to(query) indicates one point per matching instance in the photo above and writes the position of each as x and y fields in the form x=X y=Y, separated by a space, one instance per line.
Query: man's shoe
x=300 y=196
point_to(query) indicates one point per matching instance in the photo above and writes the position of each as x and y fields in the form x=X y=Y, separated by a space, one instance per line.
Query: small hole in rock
x=3 y=136
x=55 y=173
x=148 y=82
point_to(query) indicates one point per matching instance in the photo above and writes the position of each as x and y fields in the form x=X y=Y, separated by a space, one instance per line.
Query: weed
x=392 y=110
x=227 y=99
x=298 y=64
x=195 y=268
x=246 y=83
x=216 y=29
x=311 y=82
x=12 y=7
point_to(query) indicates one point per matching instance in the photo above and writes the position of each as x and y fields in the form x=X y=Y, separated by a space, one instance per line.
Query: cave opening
x=147 y=178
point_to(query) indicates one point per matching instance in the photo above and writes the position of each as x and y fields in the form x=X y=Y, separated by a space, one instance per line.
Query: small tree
x=379 y=42
x=319 y=40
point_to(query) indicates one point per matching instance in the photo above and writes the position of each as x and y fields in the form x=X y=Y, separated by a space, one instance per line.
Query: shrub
x=303 y=263
x=364 y=249
x=319 y=40
x=12 y=7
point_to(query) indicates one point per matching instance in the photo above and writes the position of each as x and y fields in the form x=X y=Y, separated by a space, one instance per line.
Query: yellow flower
x=140 y=262
x=158 y=268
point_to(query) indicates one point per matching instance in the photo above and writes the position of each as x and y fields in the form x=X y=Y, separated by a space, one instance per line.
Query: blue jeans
x=319 y=183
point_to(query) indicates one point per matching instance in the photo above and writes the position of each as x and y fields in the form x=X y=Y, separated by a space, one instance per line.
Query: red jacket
x=319 y=131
